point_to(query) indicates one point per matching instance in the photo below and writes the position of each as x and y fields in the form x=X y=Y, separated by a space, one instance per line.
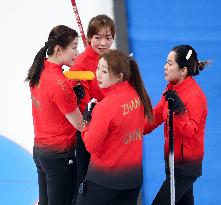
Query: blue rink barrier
x=154 y=28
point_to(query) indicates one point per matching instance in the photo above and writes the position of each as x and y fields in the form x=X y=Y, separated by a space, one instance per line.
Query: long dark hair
x=186 y=56
x=118 y=63
x=60 y=35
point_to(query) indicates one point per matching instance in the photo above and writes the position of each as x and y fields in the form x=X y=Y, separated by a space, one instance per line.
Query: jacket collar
x=185 y=83
x=52 y=66
x=90 y=51
x=115 y=88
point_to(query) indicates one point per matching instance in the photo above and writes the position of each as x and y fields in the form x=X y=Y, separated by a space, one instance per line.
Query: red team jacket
x=114 y=138
x=188 y=127
x=52 y=99
x=88 y=61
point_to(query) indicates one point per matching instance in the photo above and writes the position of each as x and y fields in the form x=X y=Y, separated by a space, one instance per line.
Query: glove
x=176 y=103
x=79 y=91
x=88 y=110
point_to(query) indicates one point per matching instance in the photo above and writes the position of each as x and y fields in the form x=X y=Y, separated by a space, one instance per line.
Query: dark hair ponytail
x=137 y=82
x=118 y=63
x=60 y=35
x=36 y=68
x=186 y=56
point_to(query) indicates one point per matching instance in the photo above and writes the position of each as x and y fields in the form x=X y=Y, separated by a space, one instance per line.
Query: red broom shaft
x=77 y=16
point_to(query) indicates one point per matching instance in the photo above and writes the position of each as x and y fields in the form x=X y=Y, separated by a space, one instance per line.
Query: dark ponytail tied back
x=119 y=63
x=137 y=82
x=37 y=66
x=60 y=35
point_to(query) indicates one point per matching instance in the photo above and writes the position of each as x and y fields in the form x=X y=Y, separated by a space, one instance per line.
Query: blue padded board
x=154 y=28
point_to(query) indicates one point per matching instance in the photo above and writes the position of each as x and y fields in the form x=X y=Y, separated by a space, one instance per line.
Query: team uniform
x=88 y=61
x=114 y=140
x=55 y=137
x=188 y=130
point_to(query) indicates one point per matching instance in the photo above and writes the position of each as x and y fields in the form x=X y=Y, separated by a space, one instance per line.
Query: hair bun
x=202 y=64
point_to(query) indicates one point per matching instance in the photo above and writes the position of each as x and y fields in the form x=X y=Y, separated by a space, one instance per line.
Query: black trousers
x=183 y=191
x=98 y=195
x=83 y=159
x=56 y=179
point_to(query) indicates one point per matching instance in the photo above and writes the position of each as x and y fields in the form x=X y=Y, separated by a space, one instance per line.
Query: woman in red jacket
x=190 y=111
x=56 y=117
x=100 y=35
x=114 y=134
